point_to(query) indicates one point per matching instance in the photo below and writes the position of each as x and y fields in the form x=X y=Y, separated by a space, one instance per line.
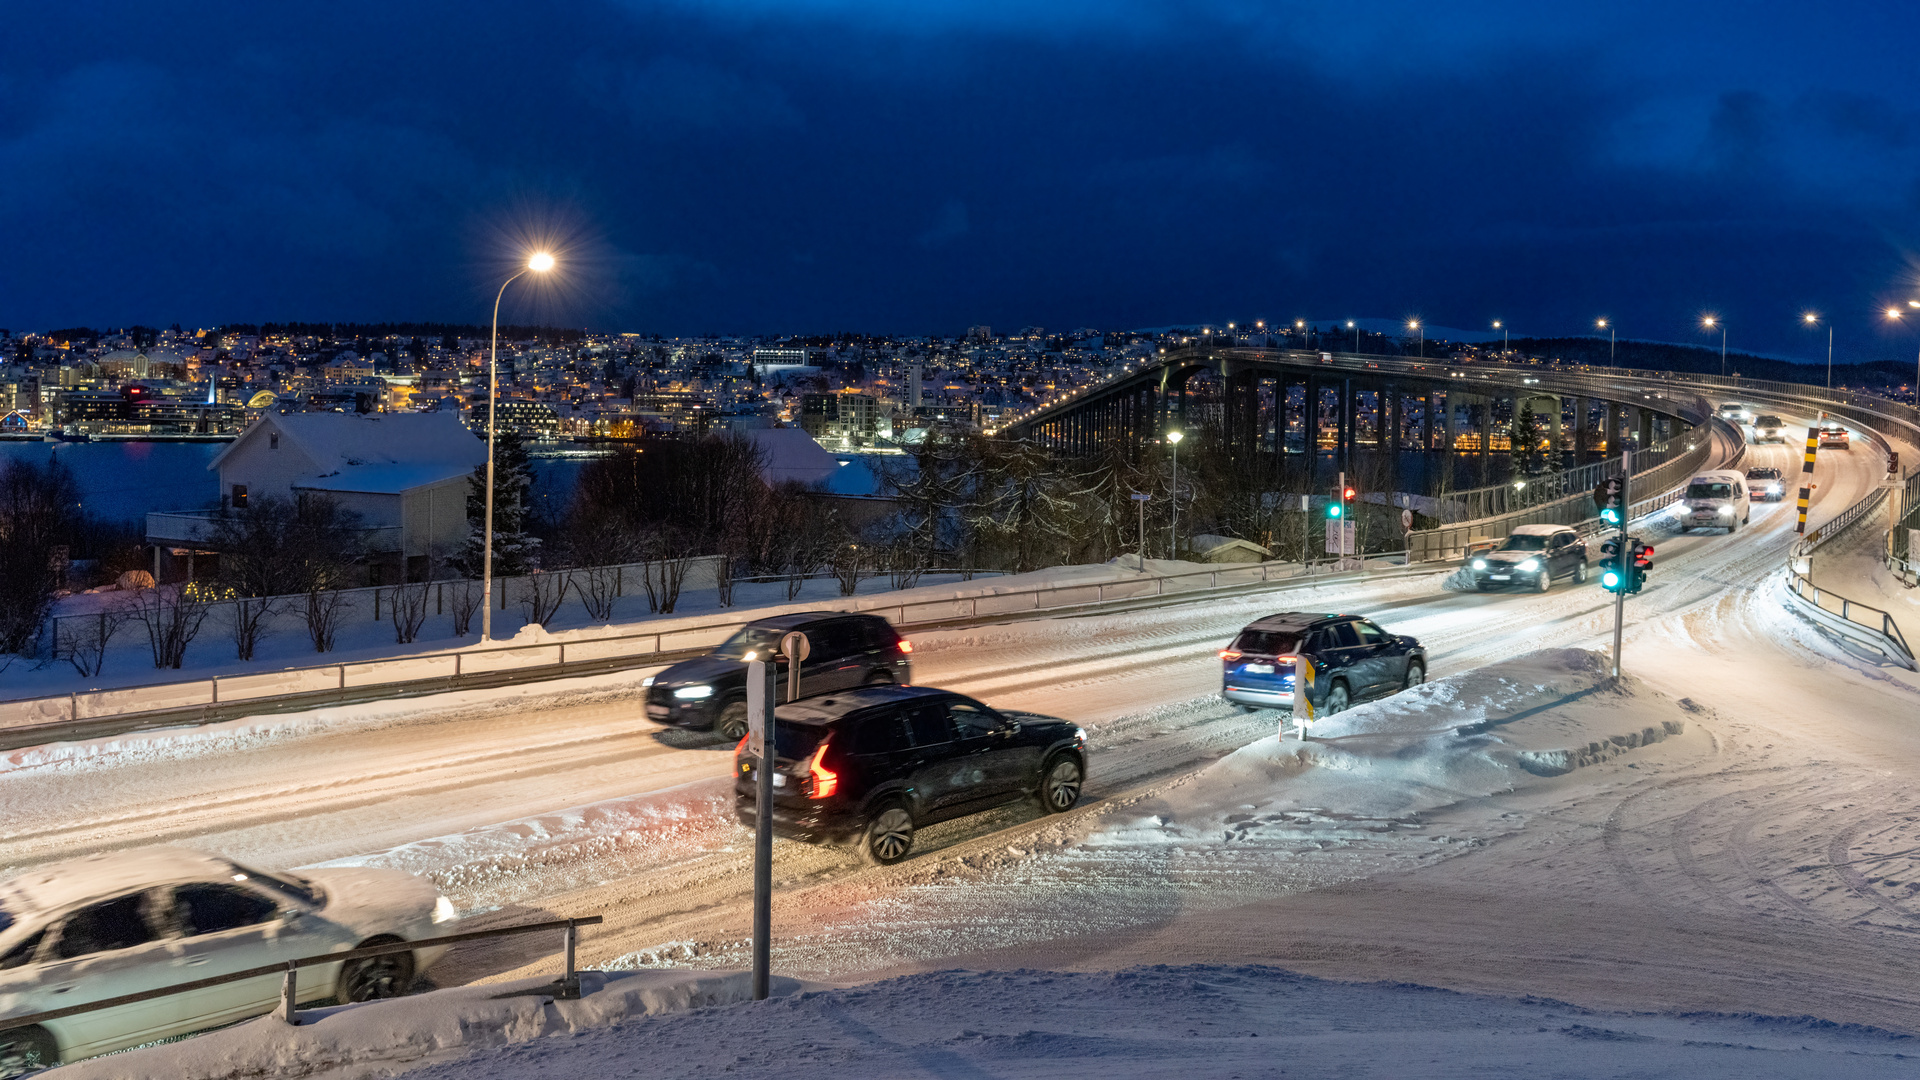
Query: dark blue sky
x=821 y=165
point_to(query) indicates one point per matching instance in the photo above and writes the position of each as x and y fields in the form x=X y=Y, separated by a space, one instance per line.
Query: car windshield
x=1769 y=421
x=1524 y=543
x=284 y=884
x=6 y=918
x=1763 y=474
x=1267 y=642
x=747 y=639
x=1699 y=490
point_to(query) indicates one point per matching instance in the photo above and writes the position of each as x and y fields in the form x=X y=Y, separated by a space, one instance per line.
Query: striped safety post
x=1806 y=474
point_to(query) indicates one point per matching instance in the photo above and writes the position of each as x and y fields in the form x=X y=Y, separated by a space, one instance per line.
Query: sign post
x=1302 y=713
x=760 y=750
x=1140 y=499
x=1620 y=596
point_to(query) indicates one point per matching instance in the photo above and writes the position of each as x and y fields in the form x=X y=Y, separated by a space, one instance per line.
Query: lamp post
x=1356 y=335
x=1505 y=348
x=1894 y=314
x=1415 y=326
x=1173 y=529
x=1301 y=325
x=1710 y=322
x=1608 y=327
x=540 y=262
x=1812 y=319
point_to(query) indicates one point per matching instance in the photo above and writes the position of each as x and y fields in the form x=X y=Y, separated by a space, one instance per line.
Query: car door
x=983 y=740
x=226 y=927
x=932 y=770
x=104 y=950
x=1566 y=553
x=1338 y=648
x=1386 y=659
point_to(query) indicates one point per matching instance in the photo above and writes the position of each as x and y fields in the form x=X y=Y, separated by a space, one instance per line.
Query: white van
x=1713 y=500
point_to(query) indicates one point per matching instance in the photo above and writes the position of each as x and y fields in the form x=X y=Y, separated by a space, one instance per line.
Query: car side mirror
x=1408 y=641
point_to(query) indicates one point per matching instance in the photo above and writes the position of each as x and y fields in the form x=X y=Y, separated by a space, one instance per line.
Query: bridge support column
x=1582 y=415
x=1646 y=427
x=1613 y=429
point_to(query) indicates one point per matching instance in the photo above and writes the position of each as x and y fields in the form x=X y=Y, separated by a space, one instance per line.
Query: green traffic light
x=1333 y=511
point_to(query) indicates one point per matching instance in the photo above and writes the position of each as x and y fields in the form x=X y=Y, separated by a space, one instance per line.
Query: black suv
x=844 y=651
x=1353 y=661
x=872 y=765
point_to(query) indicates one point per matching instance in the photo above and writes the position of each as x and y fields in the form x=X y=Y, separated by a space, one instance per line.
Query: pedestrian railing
x=1851 y=619
x=567 y=986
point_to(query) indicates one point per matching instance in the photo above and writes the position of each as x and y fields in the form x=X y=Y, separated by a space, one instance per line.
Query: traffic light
x=1606 y=498
x=1612 y=577
x=1639 y=560
x=1625 y=575
x=1337 y=506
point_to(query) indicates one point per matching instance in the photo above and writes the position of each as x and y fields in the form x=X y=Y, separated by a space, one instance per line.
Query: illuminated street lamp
x=1812 y=319
x=1894 y=314
x=1604 y=325
x=1710 y=322
x=1356 y=335
x=540 y=262
x=1173 y=528
x=1415 y=326
x=1505 y=349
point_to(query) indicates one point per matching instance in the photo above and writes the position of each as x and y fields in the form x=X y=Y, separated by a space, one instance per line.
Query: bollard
x=289 y=1010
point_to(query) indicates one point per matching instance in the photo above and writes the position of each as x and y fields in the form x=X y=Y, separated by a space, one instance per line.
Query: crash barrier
x=28 y=721
x=567 y=986
x=1850 y=619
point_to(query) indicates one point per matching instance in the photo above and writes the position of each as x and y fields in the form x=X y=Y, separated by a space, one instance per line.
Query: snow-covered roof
x=1204 y=544
x=1539 y=530
x=791 y=454
x=105 y=873
x=334 y=440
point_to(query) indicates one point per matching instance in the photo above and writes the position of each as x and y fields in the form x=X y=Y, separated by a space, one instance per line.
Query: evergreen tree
x=515 y=550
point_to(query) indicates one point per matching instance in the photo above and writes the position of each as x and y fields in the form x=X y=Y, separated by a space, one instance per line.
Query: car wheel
x=1544 y=581
x=1481 y=586
x=1416 y=674
x=1337 y=700
x=27 y=1049
x=1580 y=572
x=880 y=678
x=376 y=977
x=889 y=835
x=1060 y=784
x=732 y=724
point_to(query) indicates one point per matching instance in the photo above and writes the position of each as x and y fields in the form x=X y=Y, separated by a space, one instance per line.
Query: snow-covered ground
x=1513 y=829
x=1195 y=1021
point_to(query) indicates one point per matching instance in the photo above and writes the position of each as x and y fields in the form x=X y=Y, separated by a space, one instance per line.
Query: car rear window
x=1267 y=642
x=1710 y=491
x=795 y=741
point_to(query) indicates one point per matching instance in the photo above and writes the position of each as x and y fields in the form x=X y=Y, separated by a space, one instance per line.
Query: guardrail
x=99 y=712
x=568 y=985
x=1851 y=619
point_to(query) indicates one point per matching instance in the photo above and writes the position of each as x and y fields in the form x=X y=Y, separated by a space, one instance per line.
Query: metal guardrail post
x=289 y=1010
x=570 y=982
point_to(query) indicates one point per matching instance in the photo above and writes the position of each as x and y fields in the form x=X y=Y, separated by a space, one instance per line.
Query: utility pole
x=1626 y=513
x=1140 y=500
x=760 y=750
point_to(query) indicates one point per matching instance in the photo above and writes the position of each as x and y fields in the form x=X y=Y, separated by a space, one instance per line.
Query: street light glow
x=1174 y=437
x=1708 y=322
x=1811 y=318
x=1413 y=324
x=1602 y=324
x=541 y=262
x=1894 y=313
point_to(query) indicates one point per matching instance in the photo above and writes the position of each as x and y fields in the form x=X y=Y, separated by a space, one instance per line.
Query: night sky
x=752 y=166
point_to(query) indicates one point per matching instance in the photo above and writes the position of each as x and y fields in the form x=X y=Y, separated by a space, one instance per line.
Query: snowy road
x=566 y=800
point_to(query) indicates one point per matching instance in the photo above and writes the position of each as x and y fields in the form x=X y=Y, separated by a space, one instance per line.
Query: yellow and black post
x=1806 y=474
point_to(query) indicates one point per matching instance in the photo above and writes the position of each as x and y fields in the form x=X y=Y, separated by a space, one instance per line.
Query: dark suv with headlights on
x=1533 y=556
x=844 y=651
x=1353 y=660
x=1769 y=429
x=1765 y=482
x=874 y=764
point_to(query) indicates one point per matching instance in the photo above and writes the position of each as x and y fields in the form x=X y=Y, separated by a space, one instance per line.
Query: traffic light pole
x=1623 y=555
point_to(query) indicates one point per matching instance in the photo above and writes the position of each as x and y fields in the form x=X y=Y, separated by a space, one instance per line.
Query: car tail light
x=822 y=782
x=1230 y=654
x=1285 y=659
x=906 y=646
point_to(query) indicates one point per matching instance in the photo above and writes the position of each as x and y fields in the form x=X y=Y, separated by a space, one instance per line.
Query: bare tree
x=849 y=565
x=83 y=640
x=323 y=608
x=172 y=615
x=723 y=579
x=249 y=621
x=407 y=610
x=467 y=599
x=599 y=546
x=542 y=593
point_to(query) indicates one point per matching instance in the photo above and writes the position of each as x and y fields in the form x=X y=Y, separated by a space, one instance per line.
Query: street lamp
x=1710 y=322
x=1812 y=319
x=1415 y=325
x=1894 y=314
x=1173 y=529
x=1604 y=325
x=540 y=262
x=1356 y=335
x=1505 y=349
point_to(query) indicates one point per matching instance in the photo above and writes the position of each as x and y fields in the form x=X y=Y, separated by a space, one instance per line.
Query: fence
x=1851 y=619
x=568 y=985
x=31 y=720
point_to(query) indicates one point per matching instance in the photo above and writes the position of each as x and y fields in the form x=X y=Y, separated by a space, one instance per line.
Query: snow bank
x=386 y=1037
x=1474 y=734
x=1212 y=1021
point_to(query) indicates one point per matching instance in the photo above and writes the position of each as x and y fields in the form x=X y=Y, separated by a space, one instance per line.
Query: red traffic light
x=1347 y=493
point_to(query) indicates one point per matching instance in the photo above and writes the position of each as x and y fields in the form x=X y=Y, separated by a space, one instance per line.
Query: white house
x=405 y=475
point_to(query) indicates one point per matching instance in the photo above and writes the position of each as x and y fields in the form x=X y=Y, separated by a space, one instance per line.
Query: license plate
x=657 y=710
x=779 y=779
x=1500 y=577
x=1258 y=669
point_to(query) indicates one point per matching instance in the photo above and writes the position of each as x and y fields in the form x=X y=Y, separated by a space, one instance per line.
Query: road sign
x=795 y=648
x=1339 y=537
x=759 y=685
x=1406 y=519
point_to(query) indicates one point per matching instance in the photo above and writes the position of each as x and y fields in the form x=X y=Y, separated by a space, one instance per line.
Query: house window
x=273 y=440
x=239 y=496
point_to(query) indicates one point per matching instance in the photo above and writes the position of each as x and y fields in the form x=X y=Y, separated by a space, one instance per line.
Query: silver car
x=120 y=923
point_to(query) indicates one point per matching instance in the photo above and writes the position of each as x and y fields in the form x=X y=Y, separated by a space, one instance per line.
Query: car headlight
x=1530 y=564
x=1479 y=564
x=1726 y=511
x=693 y=693
x=1080 y=735
x=1773 y=489
x=443 y=911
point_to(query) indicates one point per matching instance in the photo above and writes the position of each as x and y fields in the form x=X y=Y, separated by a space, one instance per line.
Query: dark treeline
x=1703 y=360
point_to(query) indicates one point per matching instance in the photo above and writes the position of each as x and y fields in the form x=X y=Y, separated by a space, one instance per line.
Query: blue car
x=1353 y=661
